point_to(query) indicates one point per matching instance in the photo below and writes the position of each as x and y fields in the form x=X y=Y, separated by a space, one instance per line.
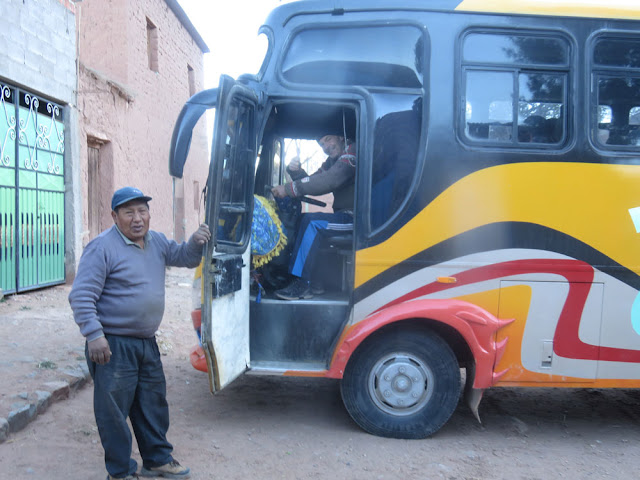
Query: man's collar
x=128 y=241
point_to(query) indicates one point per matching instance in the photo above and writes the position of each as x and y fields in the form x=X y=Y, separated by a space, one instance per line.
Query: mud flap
x=472 y=396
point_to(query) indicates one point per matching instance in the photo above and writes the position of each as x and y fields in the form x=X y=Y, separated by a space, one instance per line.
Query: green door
x=31 y=191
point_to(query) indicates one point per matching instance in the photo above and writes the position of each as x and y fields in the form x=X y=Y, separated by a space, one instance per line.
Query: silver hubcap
x=400 y=384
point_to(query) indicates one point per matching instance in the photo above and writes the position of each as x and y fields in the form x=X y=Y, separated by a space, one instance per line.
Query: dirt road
x=287 y=428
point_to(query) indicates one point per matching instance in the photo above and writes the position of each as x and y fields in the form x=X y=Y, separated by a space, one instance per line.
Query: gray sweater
x=119 y=287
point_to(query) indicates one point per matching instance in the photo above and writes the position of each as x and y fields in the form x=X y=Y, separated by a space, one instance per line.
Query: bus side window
x=616 y=71
x=500 y=67
x=618 y=117
x=237 y=170
x=489 y=114
x=395 y=150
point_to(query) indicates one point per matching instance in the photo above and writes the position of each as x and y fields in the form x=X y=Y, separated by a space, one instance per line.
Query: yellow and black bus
x=497 y=202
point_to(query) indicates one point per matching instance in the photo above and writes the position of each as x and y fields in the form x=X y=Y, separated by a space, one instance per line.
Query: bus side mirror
x=183 y=129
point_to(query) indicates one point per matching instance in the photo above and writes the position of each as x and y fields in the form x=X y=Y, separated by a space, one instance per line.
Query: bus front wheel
x=402 y=384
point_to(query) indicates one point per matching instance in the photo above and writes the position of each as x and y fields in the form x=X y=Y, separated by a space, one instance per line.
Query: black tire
x=402 y=384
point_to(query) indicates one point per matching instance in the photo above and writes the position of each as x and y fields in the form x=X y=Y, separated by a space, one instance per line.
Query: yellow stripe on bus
x=623 y=9
x=589 y=202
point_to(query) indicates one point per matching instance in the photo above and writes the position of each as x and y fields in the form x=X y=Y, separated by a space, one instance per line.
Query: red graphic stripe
x=566 y=341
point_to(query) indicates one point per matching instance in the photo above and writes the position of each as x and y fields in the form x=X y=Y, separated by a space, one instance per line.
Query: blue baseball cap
x=126 y=194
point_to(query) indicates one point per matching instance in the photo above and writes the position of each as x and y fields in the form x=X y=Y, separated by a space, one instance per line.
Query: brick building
x=139 y=61
x=89 y=93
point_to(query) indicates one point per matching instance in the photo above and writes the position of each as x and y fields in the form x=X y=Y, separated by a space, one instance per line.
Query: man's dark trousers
x=131 y=384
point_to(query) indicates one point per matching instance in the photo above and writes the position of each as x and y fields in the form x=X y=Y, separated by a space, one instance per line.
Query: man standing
x=336 y=175
x=117 y=300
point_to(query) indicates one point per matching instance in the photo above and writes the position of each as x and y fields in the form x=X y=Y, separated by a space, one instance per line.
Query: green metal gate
x=31 y=191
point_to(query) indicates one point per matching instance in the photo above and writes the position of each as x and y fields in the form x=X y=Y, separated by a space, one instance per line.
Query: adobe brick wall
x=131 y=109
x=102 y=36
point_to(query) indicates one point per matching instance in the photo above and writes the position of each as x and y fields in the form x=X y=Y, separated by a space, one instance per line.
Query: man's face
x=132 y=219
x=332 y=145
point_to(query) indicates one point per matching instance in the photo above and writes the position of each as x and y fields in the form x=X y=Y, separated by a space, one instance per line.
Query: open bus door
x=229 y=208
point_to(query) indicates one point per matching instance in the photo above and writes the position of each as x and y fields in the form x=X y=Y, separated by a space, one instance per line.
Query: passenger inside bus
x=618 y=111
x=336 y=175
x=535 y=130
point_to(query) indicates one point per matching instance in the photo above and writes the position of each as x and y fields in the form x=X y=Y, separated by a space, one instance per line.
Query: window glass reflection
x=618 y=111
x=617 y=53
x=521 y=101
x=237 y=167
x=540 y=108
x=489 y=112
x=277 y=160
x=229 y=154
x=230 y=227
x=519 y=49
x=371 y=56
x=395 y=151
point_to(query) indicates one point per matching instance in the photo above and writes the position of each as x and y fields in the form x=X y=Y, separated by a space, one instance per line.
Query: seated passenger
x=534 y=130
x=336 y=175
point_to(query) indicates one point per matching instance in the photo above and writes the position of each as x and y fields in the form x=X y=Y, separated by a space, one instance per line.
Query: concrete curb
x=37 y=402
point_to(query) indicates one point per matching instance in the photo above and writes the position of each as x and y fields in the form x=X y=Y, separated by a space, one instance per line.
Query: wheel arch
x=449 y=334
x=468 y=329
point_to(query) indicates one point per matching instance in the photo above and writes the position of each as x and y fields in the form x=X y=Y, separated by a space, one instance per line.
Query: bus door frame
x=225 y=309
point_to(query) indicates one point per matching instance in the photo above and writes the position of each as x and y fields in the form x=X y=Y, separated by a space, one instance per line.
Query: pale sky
x=230 y=30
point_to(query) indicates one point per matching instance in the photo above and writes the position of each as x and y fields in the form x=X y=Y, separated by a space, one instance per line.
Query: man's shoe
x=133 y=476
x=317 y=288
x=170 y=470
x=296 y=290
